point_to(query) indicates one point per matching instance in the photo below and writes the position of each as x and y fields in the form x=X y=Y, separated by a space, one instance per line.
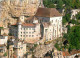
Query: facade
x=3 y=49
x=52 y=16
x=19 y=49
x=46 y=24
x=3 y=45
x=47 y=31
x=25 y=31
x=57 y=54
x=3 y=40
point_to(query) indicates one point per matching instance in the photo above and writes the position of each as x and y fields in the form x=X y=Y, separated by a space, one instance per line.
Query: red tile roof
x=66 y=53
x=74 y=52
x=28 y=24
x=47 y=12
x=25 y=24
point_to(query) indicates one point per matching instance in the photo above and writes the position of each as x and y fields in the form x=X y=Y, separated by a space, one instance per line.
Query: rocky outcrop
x=10 y=9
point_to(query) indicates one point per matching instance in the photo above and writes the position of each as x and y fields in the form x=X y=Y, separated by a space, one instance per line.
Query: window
x=26 y=32
x=50 y=38
x=29 y=28
x=26 y=35
x=29 y=32
x=33 y=28
x=32 y=32
x=26 y=28
x=21 y=35
x=32 y=35
x=29 y=35
x=52 y=21
x=56 y=20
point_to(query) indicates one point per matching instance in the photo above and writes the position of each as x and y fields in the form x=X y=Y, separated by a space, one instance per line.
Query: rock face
x=15 y=8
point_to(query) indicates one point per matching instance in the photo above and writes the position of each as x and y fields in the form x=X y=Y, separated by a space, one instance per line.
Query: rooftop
x=66 y=53
x=47 y=12
x=28 y=24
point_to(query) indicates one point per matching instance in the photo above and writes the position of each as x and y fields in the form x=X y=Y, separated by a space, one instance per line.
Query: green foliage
x=5 y=54
x=64 y=21
x=49 y=3
x=73 y=21
x=68 y=27
x=74 y=4
x=57 y=46
x=35 y=45
x=78 y=16
x=10 y=34
x=60 y=4
x=1 y=27
x=74 y=38
x=66 y=18
x=65 y=36
x=51 y=6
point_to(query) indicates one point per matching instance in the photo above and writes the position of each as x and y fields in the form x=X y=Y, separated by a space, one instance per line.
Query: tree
x=64 y=21
x=73 y=21
x=74 y=38
x=49 y=3
x=51 y=6
x=78 y=16
x=60 y=4
x=5 y=54
x=66 y=18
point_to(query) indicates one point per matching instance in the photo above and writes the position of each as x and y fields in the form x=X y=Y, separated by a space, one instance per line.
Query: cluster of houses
x=45 y=25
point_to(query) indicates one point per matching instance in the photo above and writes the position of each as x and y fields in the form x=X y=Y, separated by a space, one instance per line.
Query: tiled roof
x=66 y=53
x=25 y=24
x=47 y=12
x=74 y=52
x=28 y=24
x=1 y=45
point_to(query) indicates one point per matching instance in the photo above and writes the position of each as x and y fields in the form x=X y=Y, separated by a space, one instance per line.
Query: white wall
x=3 y=39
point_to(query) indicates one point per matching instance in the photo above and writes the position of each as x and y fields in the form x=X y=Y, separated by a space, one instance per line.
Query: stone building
x=52 y=16
x=3 y=39
x=3 y=45
x=26 y=31
x=19 y=48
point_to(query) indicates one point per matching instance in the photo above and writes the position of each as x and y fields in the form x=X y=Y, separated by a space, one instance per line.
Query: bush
x=73 y=21
x=57 y=46
x=78 y=16
x=5 y=54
